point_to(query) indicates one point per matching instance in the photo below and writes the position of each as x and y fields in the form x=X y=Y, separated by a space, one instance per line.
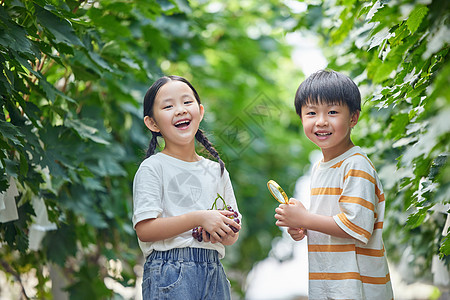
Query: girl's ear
x=202 y=112
x=354 y=119
x=151 y=124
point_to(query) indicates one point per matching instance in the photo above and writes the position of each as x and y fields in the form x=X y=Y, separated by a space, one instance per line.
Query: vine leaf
x=416 y=17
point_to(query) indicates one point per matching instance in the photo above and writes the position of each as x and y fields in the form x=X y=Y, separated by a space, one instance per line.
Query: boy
x=344 y=223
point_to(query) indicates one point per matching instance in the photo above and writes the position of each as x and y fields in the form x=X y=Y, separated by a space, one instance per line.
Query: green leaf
x=416 y=219
x=11 y=133
x=61 y=29
x=416 y=17
x=445 y=247
x=382 y=71
x=398 y=125
x=60 y=244
x=85 y=129
x=14 y=36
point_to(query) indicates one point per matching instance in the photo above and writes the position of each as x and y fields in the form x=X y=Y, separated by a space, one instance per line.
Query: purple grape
x=197 y=234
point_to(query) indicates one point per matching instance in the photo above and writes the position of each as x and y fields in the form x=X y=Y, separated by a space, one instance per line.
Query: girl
x=172 y=192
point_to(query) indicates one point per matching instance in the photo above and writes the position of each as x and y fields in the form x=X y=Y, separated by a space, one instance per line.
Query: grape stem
x=214 y=206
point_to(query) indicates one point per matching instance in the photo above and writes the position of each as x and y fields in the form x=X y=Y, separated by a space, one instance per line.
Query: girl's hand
x=206 y=236
x=296 y=233
x=291 y=215
x=216 y=223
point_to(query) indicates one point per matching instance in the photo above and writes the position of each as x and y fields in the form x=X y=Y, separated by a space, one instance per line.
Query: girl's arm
x=295 y=215
x=215 y=222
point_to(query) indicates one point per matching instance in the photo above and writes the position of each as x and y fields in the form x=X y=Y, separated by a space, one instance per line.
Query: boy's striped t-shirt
x=348 y=189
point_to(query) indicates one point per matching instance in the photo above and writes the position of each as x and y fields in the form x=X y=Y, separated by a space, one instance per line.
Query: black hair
x=329 y=87
x=149 y=100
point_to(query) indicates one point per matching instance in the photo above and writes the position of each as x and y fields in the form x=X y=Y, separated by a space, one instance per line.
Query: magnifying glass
x=277 y=192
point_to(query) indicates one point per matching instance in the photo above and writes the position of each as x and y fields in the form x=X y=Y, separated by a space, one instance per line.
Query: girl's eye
x=167 y=106
x=188 y=101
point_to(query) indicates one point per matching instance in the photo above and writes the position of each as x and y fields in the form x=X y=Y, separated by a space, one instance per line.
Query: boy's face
x=329 y=126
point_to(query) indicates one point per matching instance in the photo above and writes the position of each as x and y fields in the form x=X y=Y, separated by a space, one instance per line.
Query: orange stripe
x=338 y=165
x=359 y=173
x=370 y=252
x=353 y=227
x=334 y=276
x=366 y=159
x=378 y=225
x=331 y=248
x=379 y=194
x=376 y=280
x=357 y=200
x=349 y=275
x=325 y=191
x=346 y=248
x=365 y=175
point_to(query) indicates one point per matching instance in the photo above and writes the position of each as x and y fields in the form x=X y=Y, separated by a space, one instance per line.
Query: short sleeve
x=229 y=196
x=358 y=200
x=147 y=194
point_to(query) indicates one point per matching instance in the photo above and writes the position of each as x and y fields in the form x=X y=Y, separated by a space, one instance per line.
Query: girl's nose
x=181 y=110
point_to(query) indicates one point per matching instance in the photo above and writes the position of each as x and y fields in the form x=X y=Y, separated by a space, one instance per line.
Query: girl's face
x=176 y=114
x=329 y=127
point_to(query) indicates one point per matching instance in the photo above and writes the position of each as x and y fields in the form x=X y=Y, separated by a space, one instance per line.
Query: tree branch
x=16 y=276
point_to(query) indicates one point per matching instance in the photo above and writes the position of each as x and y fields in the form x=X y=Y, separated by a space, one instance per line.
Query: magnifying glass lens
x=277 y=194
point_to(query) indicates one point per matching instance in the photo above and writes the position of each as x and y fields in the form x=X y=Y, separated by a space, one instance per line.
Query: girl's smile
x=177 y=116
x=182 y=124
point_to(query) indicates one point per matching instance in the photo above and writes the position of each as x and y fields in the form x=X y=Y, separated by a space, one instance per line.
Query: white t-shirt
x=348 y=189
x=165 y=186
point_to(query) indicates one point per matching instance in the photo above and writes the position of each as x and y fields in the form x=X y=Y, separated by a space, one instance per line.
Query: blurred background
x=72 y=79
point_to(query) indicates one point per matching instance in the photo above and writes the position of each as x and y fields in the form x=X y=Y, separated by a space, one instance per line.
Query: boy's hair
x=149 y=100
x=328 y=87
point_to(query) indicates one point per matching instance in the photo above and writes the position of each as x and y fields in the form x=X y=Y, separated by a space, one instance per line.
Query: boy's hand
x=291 y=215
x=296 y=233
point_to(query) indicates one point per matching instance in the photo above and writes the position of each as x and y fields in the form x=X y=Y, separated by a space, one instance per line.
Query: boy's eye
x=310 y=113
x=332 y=112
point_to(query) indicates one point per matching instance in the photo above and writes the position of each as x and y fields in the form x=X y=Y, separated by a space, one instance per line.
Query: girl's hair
x=328 y=87
x=149 y=100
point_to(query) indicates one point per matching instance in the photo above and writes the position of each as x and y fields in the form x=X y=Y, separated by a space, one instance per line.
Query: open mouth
x=182 y=124
x=323 y=133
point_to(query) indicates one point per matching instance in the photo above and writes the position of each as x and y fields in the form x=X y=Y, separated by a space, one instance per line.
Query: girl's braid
x=200 y=136
x=153 y=144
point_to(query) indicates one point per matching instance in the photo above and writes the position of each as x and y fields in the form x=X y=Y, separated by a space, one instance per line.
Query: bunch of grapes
x=197 y=233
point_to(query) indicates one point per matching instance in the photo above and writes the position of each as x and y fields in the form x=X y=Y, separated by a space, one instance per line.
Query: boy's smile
x=329 y=127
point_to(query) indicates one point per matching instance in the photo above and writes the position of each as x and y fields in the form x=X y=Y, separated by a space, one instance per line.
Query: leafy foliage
x=72 y=79
x=398 y=52
x=73 y=75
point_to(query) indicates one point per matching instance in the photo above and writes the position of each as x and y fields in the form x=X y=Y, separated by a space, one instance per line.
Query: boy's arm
x=324 y=224
x=295 y=215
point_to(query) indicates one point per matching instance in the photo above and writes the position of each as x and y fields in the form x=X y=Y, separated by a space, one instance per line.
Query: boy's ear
x=151 y=124
x=354 y=119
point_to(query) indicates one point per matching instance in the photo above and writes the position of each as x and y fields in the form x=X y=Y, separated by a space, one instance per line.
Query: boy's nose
x=321 y=121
